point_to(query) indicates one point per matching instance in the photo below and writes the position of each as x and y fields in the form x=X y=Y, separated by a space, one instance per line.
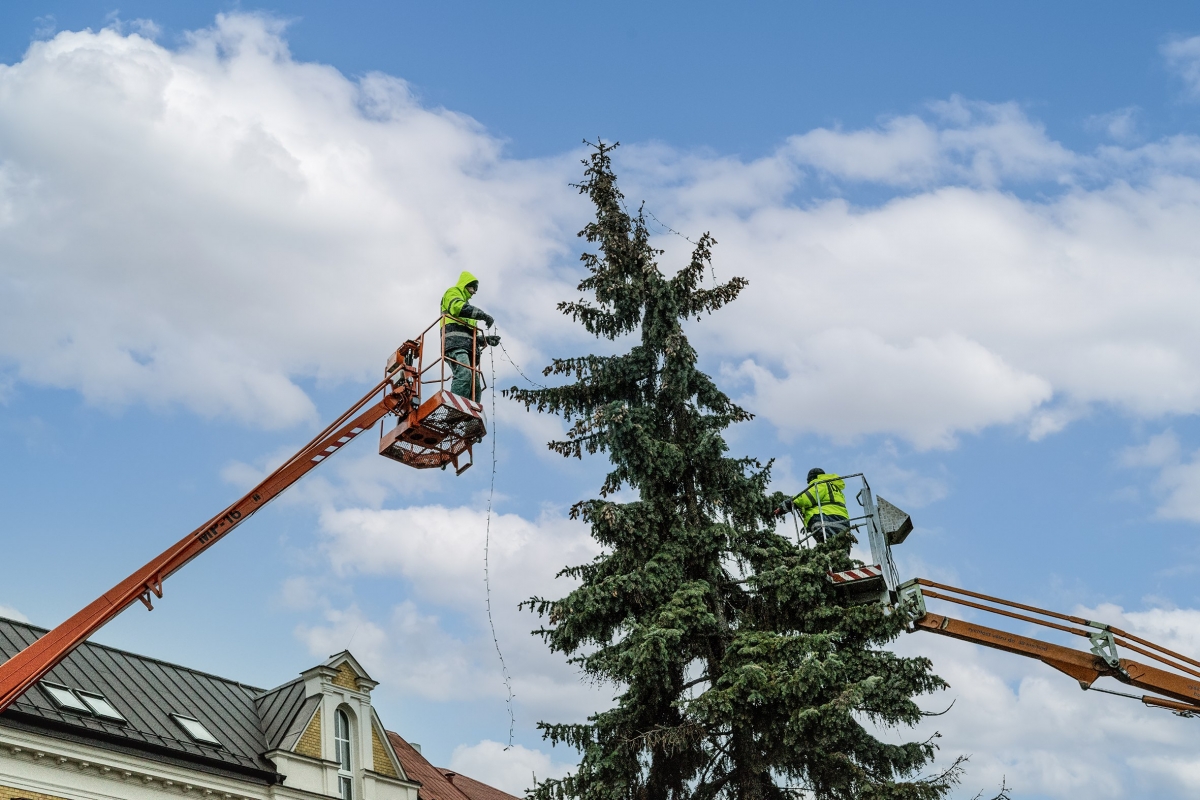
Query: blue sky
x=531 y=72
x=971 y=234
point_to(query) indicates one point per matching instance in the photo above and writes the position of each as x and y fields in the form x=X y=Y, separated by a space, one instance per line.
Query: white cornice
x=56 y=754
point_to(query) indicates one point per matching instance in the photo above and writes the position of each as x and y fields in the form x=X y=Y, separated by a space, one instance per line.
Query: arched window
x=341 y=741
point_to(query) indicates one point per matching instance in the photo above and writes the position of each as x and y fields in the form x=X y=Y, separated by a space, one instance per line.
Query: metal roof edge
x=254 y=690
x=265 y=692
x=36 y=724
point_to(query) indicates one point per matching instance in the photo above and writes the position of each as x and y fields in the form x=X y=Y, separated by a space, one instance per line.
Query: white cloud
x=441 y=550
x=958 y=308
x=907 y=488
x=977 y=143
x=975 y=388
x=204 y=226
x=449 y=653
x=1025 y=723
x=1177 y=488
x=200 y=226
x=1121 y=125
x=1183 y=57
x=410 y=651
x=510 y=769
x=300 y=593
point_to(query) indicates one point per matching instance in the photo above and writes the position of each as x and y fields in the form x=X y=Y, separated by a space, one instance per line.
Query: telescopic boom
x=437 y=430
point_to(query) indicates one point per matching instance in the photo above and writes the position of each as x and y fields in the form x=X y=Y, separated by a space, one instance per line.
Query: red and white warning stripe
x=333 y=448
x=461 y=403
x=860 y=574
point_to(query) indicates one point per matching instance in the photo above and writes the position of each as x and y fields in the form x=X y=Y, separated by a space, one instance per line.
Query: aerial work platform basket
x=885 y=525
x=440 y=427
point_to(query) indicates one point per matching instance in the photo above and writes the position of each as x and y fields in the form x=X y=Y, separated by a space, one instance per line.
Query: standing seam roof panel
x=146 y=691
x=202 y=708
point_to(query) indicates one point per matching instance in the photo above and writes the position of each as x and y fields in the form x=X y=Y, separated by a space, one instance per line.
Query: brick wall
x=379 y=753
x=346 y=677
x=310 y=741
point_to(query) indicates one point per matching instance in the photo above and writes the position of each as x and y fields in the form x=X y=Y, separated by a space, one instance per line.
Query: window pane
x=65 y=698
x=196 y=730
x=101 y=707
x=341 y=740
x=343 y=725
x=346 y=788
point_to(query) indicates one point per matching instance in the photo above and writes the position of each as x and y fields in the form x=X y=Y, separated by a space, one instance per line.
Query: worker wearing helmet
x=822 y=504
x=460 y=341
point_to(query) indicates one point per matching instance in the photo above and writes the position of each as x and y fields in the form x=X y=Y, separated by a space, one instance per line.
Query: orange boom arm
x=436 y=430
x=1179 y=685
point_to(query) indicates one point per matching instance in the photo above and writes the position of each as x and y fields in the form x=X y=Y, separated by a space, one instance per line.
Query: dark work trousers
x=459 y=357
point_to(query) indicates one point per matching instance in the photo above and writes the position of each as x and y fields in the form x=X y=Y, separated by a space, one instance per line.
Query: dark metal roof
x=285 y=714
x=246 y=720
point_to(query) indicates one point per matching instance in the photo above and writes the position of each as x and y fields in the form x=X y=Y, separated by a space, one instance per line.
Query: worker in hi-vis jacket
x=822 y=504
x=461 y=343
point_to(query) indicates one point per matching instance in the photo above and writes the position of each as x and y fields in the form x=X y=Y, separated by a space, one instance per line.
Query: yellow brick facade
x=310 y=741
x=7 y=793
x=346 y=677
x=381 y=754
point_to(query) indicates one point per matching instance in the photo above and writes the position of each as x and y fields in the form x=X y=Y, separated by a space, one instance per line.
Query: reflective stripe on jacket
x=824 y=496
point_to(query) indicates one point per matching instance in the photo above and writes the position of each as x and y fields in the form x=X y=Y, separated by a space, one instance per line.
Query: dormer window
x=64 y=698
x=195 y=729
x=341 y=743
x=100 y=706
x=82 y=703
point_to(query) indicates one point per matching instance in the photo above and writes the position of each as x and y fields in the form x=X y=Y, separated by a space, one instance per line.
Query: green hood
x=456 y=297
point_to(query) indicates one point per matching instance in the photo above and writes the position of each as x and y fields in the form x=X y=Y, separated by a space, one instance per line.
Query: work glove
x=492 y=340
x=488 y=319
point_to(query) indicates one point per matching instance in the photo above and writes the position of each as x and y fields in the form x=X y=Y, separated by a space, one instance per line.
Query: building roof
x=147 y=693
x=475 y=790
x=284 y=713
x=438 y=783
x=248 y=721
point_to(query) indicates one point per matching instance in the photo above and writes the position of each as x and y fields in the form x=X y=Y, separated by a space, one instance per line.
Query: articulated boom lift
x=1173 y=678
x=1101 y=660
x=435 y=428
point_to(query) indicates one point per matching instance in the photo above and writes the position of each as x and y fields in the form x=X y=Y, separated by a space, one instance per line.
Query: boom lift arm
x=1174 y=678
x=1181 y=692
x=434 y=431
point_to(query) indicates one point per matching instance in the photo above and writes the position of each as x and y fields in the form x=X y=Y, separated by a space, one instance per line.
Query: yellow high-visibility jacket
x=822 y=496
x=454 y=299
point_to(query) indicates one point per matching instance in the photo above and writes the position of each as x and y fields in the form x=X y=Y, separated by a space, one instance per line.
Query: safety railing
x=440 y=426
x=868 y=523
x=432 y=372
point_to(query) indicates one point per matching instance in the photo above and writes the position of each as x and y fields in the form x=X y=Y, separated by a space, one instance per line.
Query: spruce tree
x=739 y=673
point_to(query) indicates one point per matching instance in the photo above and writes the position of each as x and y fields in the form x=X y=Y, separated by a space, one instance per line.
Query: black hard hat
x=814 y=472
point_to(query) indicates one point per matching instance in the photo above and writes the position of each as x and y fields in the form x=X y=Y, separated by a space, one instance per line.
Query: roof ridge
x=139 y=656
x=263 y=693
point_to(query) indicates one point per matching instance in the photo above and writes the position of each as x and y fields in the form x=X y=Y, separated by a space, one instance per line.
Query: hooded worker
x=822 y=504
x=461 y=342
